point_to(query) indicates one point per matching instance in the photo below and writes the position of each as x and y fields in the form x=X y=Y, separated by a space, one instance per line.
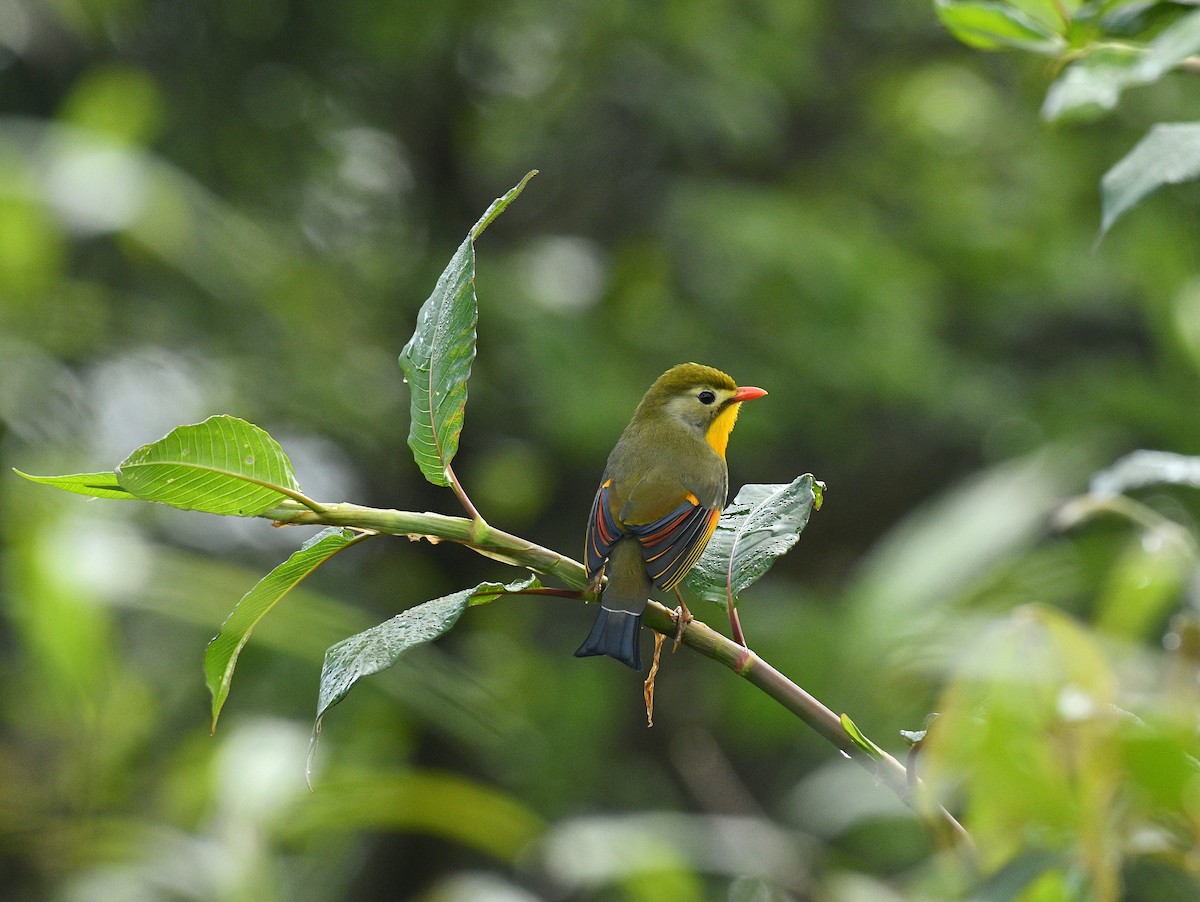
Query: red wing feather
x=672 y=544
x=602 y=533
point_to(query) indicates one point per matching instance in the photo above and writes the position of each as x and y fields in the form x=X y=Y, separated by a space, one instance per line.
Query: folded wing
x=671 y=545
x=603 y=530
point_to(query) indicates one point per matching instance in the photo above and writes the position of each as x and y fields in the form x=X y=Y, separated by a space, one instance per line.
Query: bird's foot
x=682 y=618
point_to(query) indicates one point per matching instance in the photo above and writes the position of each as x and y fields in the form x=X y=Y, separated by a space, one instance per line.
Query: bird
x=659 y=499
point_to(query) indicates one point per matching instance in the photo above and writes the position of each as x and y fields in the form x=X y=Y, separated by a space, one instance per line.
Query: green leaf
x=860 y=739
x=220 y=658
x=1143 y=584
x=1017 y=875
x=997 y=26
x=762 y=523
x=1168 y=155
x=1093 y=85
x=98 y=485
x=1053 y=15
x=381 y=646
x=221 y=466
x=1176 y=42
x=1031 y=704
x=437 y=359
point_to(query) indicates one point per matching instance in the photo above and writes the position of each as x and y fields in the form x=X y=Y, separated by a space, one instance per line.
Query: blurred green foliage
x=239 y=207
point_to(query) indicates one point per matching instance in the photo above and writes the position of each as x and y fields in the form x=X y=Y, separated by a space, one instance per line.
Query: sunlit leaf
x=1053 y=15
x=220 y=658
x=1168 y=155
x=437 y=359
x=99 y=485
x=1018 y=875
x=762 y=524
x=1174 y=44
x=1031 y=704
x=221 y=466
x=1093 y=84
x=1143 y=584
x=382 y=646
x=1142 y=468
x=997 y=26
x=1159 y=753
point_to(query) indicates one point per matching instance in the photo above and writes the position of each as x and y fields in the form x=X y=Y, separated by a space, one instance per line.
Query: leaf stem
x=298 y=497
x=551 y=592
x=462 y=496
x=735 y=625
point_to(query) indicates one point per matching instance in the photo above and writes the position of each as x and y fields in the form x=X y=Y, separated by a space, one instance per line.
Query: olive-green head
x=698 y=397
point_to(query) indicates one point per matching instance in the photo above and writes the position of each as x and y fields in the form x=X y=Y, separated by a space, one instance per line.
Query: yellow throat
x=718 y=432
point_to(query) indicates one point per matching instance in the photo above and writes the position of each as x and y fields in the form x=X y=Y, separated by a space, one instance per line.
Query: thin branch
x=697 y=635
x=745 y=663
x=434 y=528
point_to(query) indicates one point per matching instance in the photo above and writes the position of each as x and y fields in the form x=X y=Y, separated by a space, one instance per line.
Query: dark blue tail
x=616 y=634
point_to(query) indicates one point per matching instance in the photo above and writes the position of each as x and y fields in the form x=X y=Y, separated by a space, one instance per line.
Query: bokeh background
x=238 y=207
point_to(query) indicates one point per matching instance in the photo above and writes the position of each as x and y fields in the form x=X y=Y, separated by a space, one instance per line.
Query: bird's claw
x=682 y=618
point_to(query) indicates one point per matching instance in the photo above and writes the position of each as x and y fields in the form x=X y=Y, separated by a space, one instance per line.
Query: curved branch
x=434 y=528
x=701 y=638
x=697 y=635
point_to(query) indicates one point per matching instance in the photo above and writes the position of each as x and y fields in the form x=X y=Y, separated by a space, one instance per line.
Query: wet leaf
x=437 y=359
x=220 y=466
x=383 y=645
x=762 y=524
x=1168 y=155
x=998 y=26
x=220 y=658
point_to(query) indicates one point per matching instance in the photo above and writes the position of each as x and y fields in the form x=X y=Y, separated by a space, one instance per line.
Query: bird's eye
x=706 y=397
